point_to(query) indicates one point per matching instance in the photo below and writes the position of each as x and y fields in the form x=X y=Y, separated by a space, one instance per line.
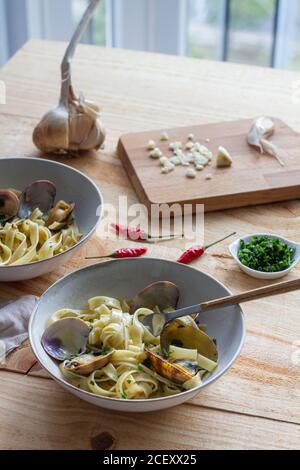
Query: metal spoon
x=156 y=321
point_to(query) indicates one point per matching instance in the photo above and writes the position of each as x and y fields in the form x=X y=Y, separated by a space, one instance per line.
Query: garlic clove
x=262 y=127
x=52 y=133
x=224 y=159
x=261 y=130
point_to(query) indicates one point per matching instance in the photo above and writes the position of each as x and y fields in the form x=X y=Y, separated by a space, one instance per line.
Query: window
x=96 y=33
x=259 y=32
x=251 y=27
x=204 y=28
x=235 y=30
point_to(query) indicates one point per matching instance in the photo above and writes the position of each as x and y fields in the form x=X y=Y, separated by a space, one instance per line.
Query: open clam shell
x=180 y=333
x=9 y=204
x=171 y=371
x=66 y=338
x=87 y=363
x=161 y=295
x=40 y=194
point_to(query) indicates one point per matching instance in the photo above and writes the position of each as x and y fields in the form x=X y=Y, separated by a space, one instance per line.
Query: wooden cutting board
x=253 y=179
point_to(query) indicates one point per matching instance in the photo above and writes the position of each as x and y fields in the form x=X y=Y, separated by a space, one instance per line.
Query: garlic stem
x=66 y=81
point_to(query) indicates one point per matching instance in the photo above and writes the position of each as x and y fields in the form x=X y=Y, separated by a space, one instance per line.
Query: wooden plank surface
x=252 y=179
x=53 y=419
x=261 y=392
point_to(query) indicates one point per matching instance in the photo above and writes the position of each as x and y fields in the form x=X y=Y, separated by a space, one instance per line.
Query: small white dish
x=234 y=248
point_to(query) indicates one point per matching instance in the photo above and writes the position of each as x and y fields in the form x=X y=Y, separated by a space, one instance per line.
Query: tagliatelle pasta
x=124 y=343
x=24 y=241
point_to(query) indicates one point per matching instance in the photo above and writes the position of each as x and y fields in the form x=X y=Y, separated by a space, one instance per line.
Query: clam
x=60 y=213
x=161 y=295
x=66 y=338
x=174 y=372
x=9 y=204
x=180 y=333
x=87 y=363
x=41 y=195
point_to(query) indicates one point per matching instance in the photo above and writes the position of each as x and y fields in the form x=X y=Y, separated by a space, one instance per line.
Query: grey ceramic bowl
x=72 y=185
x=123 y=279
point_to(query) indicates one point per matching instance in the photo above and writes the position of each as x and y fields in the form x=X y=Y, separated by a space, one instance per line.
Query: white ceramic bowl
x=234 y=248
x=123 y=279
x=72 y=185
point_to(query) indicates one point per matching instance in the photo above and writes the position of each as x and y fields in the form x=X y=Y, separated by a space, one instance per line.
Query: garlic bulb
x=74 y=125
x=261 y=130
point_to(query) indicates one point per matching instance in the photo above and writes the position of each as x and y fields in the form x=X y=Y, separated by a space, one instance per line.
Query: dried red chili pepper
x=197 y=251
x=133 y=233
x=123 y=253
x=138 y=234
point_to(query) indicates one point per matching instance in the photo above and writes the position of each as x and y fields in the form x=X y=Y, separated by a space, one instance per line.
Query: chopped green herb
x=139 y=367
x=92 y=382
x=124 y=395
x=266 y=254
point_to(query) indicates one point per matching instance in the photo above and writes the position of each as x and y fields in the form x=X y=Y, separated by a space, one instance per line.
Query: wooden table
x=256 y=405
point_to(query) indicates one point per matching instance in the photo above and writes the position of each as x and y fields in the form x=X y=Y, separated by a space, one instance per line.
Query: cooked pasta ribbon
x=24 y=241
x=127 y=375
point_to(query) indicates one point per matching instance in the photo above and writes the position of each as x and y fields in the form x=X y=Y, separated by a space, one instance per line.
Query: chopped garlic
x=163 y=161
x=168 y=167
x=151 y=145
x=178 y=153
x=207 y=140
x=175 y=145
x=156 y=153
x=224 y=158
x=199 y=167
x=189 y=145
x=200 y=159
x=175 y=160
x=191 y=173
x=164 y=137
x=191 y=137
x=209 y=176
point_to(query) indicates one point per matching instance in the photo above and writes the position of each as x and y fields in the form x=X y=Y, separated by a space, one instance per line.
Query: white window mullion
x=4 y=52
x=129 y=24
x=151 y=25
x=167 y=28
x=58 y=19
x=16 y=24
x=286 y=17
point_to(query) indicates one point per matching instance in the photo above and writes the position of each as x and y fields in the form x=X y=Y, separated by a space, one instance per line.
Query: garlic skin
x=261 y=130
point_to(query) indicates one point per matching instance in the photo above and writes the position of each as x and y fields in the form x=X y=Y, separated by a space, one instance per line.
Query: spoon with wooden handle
x=156 y=321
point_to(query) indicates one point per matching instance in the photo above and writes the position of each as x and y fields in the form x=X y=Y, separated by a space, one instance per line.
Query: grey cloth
x=14 y=319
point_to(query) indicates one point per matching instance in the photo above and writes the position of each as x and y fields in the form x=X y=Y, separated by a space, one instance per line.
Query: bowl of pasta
x=48 y=210
x=88 y=332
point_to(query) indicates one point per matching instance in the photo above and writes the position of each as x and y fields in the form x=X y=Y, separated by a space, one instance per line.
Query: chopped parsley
x=92 y=382
x=139 y=367
x=124 y=395
x=266 y=254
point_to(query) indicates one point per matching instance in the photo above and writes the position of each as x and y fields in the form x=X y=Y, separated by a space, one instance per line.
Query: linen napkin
x=14 y=319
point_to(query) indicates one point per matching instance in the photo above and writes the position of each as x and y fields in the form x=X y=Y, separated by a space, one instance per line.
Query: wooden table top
x=256 y=405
